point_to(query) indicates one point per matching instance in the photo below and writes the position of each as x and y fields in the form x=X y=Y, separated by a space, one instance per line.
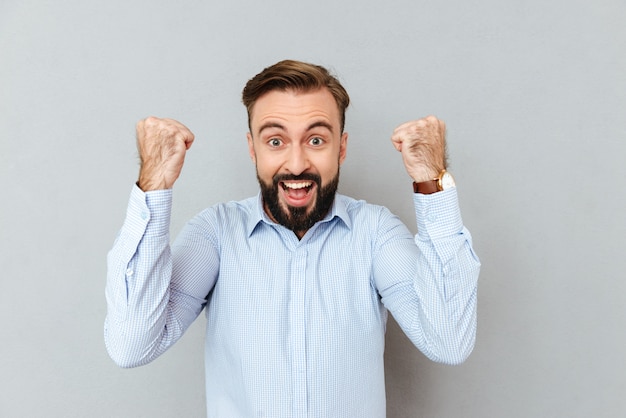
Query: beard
x=299 y=219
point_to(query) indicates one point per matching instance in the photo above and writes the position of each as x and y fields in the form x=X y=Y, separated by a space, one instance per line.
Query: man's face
x=297 y=146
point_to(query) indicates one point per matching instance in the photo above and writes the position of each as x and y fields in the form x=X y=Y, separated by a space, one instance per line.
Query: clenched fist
x=162 y=145
x=423 y=146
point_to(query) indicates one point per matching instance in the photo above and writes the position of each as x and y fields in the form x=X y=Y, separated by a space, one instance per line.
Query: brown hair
x=295 y=75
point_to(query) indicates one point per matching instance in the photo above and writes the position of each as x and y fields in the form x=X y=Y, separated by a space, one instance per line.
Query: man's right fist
x=162 y=144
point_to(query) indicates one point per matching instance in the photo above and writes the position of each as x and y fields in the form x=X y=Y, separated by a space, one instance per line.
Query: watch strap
x=426 y=187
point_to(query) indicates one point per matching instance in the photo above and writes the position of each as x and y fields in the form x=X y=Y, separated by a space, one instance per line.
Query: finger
x=183 y=133
x=400 y=135
x=177 y=124
x=416 y=127
x=397 y=143
x=140 y=129
x=406 y=126
x=188 y=138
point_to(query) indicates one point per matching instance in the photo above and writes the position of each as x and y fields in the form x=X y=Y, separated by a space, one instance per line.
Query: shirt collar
x=338 y=209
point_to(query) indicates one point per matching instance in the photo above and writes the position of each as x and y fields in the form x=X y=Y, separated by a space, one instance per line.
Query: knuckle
x=151 y=121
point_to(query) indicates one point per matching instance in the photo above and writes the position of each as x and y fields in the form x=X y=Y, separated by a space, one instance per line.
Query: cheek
x=328 y=169
x=265 y=168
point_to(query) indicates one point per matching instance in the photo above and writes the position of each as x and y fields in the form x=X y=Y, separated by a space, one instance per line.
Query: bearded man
x=296 y=282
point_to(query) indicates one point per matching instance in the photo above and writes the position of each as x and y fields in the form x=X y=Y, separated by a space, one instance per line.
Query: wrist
x=148 y=186
x=147 y=182
x=443 y=181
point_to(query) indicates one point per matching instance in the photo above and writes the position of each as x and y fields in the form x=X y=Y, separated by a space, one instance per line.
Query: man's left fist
x=423 y=146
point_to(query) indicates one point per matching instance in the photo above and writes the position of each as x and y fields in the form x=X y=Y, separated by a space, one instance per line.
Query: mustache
x=301 y=177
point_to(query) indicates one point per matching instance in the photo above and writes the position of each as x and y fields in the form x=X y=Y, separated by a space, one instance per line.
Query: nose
x=297 y=160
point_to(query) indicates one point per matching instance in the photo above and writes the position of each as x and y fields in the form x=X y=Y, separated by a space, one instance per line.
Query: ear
x=343 y=146
x=251 y=147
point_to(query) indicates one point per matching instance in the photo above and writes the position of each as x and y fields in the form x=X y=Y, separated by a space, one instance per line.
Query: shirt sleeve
x=148 y=309
x=429 y=281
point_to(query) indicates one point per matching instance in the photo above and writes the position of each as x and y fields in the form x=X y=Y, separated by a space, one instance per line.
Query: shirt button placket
x=298 y=332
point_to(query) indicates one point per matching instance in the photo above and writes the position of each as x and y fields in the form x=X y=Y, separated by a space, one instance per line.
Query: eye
x=275 y=142
x=316 y=141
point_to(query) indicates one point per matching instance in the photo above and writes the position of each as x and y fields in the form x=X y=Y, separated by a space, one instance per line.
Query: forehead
x=293 y=107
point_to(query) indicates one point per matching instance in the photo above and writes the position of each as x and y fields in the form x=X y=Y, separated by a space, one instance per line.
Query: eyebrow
x=317 y=124
x=321 y=124
x=268 y=125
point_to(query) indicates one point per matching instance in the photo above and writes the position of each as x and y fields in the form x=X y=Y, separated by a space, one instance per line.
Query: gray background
x=533 y=93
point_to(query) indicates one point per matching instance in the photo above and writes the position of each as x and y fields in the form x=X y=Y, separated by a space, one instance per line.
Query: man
x=297 y=281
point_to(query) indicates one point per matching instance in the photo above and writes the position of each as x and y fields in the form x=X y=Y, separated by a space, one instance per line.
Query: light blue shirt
x=295 y=328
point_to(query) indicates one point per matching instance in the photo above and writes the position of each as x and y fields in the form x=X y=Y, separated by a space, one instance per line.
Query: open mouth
x=306 y=185
x=297 y=191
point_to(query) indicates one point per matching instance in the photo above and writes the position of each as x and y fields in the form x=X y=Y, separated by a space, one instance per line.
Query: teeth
x=298 y=185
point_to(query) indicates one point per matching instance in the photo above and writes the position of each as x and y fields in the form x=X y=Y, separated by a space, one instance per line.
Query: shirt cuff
x=438 y=214
x=149 y=211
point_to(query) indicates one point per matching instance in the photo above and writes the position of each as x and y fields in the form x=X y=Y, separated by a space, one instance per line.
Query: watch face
x=447 y=181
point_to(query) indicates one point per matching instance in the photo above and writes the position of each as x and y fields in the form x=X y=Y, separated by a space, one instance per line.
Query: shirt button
x=432 y=218
x=129 y=272
x=144 y=215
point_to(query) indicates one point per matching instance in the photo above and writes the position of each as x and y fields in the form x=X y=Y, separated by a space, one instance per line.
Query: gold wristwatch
x=444 y=181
